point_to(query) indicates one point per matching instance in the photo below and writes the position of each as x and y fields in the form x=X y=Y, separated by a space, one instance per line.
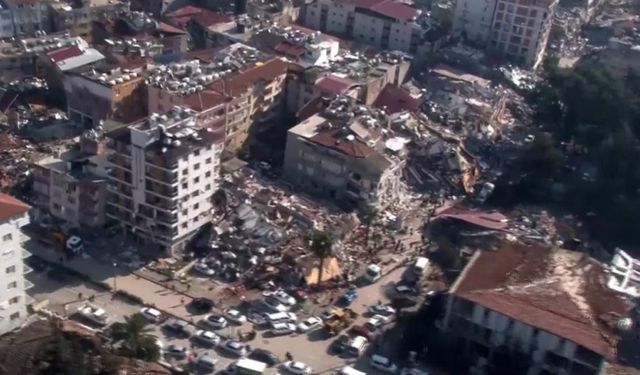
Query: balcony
x=169 y=219
x=26 y=269
x=168 y=178
x=28 y=284
x=25 y=254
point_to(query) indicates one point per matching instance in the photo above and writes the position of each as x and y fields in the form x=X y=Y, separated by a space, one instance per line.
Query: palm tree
x=321 y=245
x=136 y=339
x=369 y=215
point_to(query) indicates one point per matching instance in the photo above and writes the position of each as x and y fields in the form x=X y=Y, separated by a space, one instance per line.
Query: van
x=206 y=362
x=356 y=346
x=420 y=266
x=348 y=370
x=373 y=273
x=382 y=363
x=281 y=317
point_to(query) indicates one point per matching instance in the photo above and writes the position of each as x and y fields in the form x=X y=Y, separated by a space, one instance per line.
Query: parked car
x=203 y=269
x=274 y=304
x=382 y=363
x=348 y=298
x=382 y=309
x=201 y=305
x=94 y=314
x=179 y=327
x=257 y=319
x=235 y=347
x=206 y=362
x=309 y=324
x=297 y=368
x=364 y=332
x=215 y=321
x=235 y=316
x=284 y=298
x=264 y=356
x=404 y=290
x=281 y=329
x=339 y=344
x=152 y=315
x=376 y=322
x=176 y=351
x=207 y=337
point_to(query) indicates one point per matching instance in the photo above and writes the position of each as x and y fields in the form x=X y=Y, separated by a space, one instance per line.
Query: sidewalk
x=151 y=293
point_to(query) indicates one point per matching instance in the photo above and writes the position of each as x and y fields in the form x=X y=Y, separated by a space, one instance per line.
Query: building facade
x=72 y=187
x=385 y=24
x=13 y=216
x=517 y=30
x=164 y=171
x=29 y=16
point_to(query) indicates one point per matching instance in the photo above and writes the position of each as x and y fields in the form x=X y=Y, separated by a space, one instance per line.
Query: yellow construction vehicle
x=339 y=320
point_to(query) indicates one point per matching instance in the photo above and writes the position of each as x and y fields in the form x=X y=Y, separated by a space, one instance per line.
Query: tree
x=369 y=215
x=136 y=339
x=321 y=245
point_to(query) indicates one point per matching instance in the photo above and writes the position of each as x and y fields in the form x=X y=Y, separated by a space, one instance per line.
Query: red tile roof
x=188 y=10
x=336 y=139
x=11 y=207
x=334 y=85
x=290 y=49
x=389 y=8
x=396 y=99
x=558 y=291
x=208 y=18
x=166 y=28
x=489 y=220
x=64 y=53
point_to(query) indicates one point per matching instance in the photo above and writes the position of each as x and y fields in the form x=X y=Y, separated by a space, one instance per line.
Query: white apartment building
x=164 y=170
x=386 y=24
x=517 y=30
x=473 y=19
x=13 y=300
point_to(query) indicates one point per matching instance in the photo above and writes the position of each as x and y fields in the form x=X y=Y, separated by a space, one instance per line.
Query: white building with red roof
x=13 y=299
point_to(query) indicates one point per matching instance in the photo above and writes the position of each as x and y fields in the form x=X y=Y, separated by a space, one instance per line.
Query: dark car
x=339 y=344
x=201 y=305
x=264 y=356
x=403 y=302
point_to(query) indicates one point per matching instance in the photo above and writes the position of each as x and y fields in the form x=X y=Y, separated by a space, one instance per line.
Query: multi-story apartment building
x=72 y=187
x=94 y=95
x=29 y=16
x=517 y=30
x=76 y=16
x=6 y=21
x=164 y=171
x=241 y=103
x=13 y=216
x=347 y=162
x=386 y=24
x=552 y=309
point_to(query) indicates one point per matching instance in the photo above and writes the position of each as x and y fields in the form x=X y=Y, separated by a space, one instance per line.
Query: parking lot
x=312 y=348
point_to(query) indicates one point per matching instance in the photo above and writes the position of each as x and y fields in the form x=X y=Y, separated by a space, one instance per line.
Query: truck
x=56 y=237
x=340 y=319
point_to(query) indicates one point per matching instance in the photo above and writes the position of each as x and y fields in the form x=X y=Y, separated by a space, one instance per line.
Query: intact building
x=164 y=171
x=13 y=301
x=517 y=30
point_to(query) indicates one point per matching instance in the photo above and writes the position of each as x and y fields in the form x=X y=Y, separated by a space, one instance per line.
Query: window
x=7 y=237
x=185 y=212
x=185 y=185
x=185 y=171
x=196 y=206
x=14 y=300
x=12 y=285
x=208 y=161
x=207 y=187
x=14 y=316
x=11 y=269
x=196 y=180
x=208 y=174
x=196 y=166
x=196 y=152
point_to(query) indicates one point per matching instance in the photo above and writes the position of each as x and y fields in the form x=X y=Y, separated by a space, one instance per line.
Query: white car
x=382 y=309
x=236 y=348
x=274 y=304
x=207 y=337
x=297 y=368
x=382 y=364
x=94 y=313
x=309 y=324
x=215 y=321
x=284 y=298
x=177 y=351
x=235 y=316
x=376 y=322
x=203 y=269
x=281 y=329
x=152 y=315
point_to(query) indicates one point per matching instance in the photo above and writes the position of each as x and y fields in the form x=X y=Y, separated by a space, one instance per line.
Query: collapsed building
x=346 y=153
